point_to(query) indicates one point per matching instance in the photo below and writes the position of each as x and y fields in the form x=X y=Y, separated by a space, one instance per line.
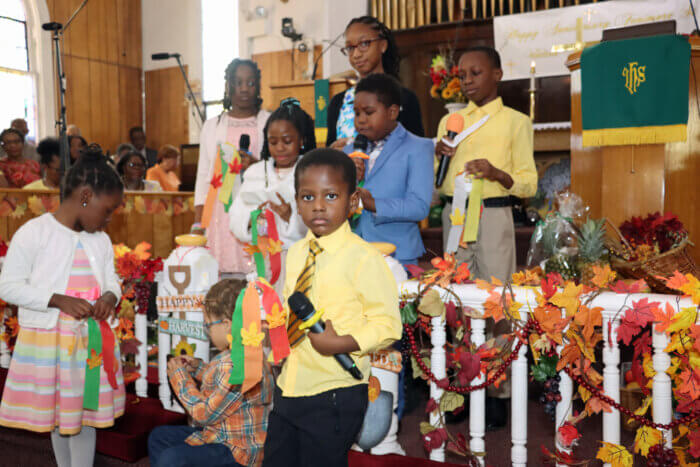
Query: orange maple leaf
x=493 y=307
x=603 y=276
x=663 y=319
x=676 y=281
x=483 y=285
x=589 y=318
x=95 y=360
x=692 y=288
x=690 y=383
x=462 y=273
x=595 y=405
x=551 y=322
x=695 y=334
x=443 y=264
x=569 y=354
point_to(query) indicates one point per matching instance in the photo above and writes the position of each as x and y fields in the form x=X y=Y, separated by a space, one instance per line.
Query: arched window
x=26 y=67
x=17 y=96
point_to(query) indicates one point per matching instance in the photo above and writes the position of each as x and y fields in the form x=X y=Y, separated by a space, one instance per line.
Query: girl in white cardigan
x=243 y=116
x=59 y=271
x=270 y=183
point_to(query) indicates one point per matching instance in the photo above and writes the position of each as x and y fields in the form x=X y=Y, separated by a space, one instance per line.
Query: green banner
x=91 y=393
x=635 y=91
x=183 y=327
x=237 y=350
x=321 y=100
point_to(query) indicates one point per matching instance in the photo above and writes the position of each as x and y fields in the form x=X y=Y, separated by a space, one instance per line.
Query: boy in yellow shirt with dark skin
x=500 y=152
x=319 y=407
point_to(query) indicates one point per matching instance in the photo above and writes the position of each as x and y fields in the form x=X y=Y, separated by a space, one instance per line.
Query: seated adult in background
x=132 y=169
x=138 y=139
x=29 y=150
x=370 y=48
x=73 y=130
x=76 y=143
x=18 y=170
x=122 y=150
x=164 y=171
x=50 y=152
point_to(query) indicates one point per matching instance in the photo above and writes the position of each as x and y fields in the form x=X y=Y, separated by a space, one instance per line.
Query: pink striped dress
x=44 y=387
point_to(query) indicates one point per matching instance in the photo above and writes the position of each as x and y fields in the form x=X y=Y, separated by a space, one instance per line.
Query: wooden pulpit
x=618 y=182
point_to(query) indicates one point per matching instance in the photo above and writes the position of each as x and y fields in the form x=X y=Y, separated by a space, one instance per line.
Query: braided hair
x=91 y=169
x=390 y=57
x=291 y=111
x=230 y=75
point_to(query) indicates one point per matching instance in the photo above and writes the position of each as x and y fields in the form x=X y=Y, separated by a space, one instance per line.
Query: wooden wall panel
x=167 y=120
x=276 y=67
x=102 y=56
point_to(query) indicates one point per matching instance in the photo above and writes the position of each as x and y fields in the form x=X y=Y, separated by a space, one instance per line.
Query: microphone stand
x=313 y=73
x=57 y=31
x=190 y=94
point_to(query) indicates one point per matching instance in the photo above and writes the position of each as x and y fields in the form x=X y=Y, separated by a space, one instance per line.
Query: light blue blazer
x=401 y=183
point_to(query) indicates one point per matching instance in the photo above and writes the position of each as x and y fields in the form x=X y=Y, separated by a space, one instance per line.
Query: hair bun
x=92 y=152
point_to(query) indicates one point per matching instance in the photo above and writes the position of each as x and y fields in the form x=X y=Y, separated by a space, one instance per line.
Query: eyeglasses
x=362 y=46
x=207 y=326
x=137 y=165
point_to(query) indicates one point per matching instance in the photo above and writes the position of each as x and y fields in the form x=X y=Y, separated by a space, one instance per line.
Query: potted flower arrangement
x=444 y=74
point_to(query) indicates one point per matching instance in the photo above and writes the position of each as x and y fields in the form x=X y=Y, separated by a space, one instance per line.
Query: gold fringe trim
x=635 y=135
x=321 y=136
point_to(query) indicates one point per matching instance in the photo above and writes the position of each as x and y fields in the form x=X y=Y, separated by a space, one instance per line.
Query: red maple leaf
x=642 y=345
x=625 y=288
x=549 y=284
x=627 y=331
x=216 y=181
x=235 y=166
x=451 y=314
x=431 y=406
x=470 y=367
x=642 y=312
x=694 y=438
x=414 y=271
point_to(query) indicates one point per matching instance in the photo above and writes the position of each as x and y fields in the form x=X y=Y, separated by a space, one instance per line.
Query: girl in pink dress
x=243 y=116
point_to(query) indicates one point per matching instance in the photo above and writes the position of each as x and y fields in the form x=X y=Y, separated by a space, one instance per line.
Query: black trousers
x=315 y=430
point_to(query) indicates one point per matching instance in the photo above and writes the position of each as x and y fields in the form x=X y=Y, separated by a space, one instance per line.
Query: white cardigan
x=254 y=182
x=39 y=262
x=214 y=130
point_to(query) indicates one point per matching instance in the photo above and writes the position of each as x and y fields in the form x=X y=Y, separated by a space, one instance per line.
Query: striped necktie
x=294 y=334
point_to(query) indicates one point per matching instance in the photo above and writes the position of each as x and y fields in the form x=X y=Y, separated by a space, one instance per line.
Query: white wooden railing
x=611 y=303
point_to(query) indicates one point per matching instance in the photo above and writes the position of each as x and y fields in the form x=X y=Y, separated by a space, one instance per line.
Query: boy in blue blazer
x=398 y=176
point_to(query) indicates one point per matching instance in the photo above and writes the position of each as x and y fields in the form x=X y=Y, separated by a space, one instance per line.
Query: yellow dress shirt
x=353 y=286
x=505 y=140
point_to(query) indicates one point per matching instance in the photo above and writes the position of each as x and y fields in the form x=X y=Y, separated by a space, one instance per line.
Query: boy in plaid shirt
x=231 y=426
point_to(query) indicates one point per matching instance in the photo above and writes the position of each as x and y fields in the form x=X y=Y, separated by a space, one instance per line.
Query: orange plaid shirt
x=236 y=420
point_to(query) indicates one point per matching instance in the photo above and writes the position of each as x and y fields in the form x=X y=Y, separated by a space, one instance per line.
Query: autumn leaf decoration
x=252 y=336
x=95 y=360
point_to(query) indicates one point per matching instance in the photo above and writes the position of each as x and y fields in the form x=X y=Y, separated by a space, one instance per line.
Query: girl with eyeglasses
x=243 y=118
x=370 y=48
x=132 y=169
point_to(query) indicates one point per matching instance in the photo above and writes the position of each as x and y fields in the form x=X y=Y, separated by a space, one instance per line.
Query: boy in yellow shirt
x=318 y=407
x=499 y=151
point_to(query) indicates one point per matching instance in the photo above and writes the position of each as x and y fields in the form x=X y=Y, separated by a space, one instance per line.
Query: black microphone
x=454 y=126
x=244 y=143
x=53 y=26
x=304 y=310
x=163 y=56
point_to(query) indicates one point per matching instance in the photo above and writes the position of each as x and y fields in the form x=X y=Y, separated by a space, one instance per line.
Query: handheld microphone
x=302 y=307
x=163 y=56
x=359 y=147
x=244 y=143
x=455 y=125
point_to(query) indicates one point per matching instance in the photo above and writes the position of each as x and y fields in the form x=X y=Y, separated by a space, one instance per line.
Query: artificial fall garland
x=563 y=317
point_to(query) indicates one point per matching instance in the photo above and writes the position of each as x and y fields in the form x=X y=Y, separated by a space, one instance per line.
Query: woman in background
x=132 y=169
x=164 y=171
